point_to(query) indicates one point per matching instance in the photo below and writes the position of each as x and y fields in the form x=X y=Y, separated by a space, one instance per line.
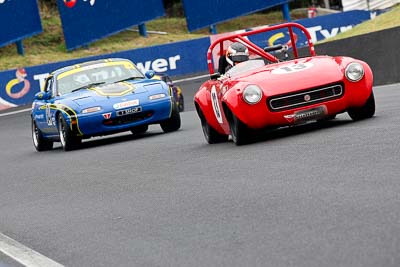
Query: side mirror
x=149 y=74
x=42 y=96
x=215 y=76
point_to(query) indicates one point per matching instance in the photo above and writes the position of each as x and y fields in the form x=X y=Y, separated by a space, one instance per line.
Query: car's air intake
x=305 y=98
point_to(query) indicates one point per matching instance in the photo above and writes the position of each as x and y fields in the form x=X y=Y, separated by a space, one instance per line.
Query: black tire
x=139 y=129
x=181 y=105
x=68 y=140
x=39 y=142
x=327 y=118
x=210 y=134
x=174 y=122
x=364 y=112
x=239 y=131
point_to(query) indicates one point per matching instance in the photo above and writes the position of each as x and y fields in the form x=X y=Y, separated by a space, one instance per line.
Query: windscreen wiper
x=87 y=86
x=130 y=78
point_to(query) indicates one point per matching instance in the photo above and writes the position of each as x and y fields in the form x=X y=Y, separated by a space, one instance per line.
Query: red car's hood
x=295 y=75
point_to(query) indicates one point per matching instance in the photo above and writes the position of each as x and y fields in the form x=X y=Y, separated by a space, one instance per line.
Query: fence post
x=142 y=30
x=285 y=11
x=20 y=47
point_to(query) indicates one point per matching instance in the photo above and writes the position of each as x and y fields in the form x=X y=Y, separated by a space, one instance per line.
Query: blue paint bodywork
x=118 y=106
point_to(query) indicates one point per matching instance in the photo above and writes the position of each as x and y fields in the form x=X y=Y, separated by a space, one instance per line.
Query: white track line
x=192 y=78
x=24 y=255
x=14 y=112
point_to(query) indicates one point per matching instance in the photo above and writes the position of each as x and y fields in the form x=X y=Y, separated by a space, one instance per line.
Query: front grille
x=305 y=98
x=128 y=118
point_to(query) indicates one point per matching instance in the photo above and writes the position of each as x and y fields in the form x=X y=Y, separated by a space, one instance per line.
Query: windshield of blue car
x=245 y=67
x=92 y=75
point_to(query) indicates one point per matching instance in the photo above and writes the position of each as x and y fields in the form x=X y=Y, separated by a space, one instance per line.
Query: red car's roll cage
x=256 y=49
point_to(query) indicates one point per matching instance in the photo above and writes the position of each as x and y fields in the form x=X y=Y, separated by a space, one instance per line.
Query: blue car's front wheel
x=174 y=122
x=139 y=129
x=68 y=140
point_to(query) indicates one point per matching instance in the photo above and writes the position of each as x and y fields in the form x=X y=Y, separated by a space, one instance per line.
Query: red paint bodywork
x=321 y=71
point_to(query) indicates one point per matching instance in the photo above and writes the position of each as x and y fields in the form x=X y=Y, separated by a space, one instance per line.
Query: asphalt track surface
x=313 y=195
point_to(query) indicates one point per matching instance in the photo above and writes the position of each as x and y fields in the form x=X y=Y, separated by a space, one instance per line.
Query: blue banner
x=17 y=87
x=320 y=28
x=19 y=19
x=85 y=21
x=201 y=14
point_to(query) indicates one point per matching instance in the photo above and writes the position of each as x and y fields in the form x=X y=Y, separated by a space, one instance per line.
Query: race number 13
x=215 y=104
x=292 y=68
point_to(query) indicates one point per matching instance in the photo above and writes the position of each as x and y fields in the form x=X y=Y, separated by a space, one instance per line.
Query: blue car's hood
x=115 y=91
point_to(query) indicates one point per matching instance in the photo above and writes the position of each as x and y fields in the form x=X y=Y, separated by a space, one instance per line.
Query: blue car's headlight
x=90 y=110
x=157 y=96
x=354 y=72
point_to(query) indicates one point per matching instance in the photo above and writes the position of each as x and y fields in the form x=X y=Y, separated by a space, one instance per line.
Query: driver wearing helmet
x=236 y=53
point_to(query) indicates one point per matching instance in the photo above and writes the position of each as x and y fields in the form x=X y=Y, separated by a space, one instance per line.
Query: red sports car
x=277 y=87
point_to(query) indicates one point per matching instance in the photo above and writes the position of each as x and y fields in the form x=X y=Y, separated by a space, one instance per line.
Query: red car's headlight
x=252 y=94
x=354 y=72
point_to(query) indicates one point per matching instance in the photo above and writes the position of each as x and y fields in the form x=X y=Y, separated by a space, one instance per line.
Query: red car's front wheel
x=239 y=131
x=364 y=112
x=210 y=134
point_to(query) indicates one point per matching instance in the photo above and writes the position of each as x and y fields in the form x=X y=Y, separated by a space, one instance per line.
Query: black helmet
x=236 y=53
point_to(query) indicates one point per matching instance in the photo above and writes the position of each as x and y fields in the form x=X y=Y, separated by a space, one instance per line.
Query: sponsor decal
x=20 y=78
x=126 y=104
x=274 y=38
x=16 y=88
x=72 y=3
x=107 y=115
x=39 y=117
x=159 y=64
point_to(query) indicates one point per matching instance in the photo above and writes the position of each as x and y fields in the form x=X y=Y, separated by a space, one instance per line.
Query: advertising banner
x=18 y=86
x=19 y=19
x=320 y=28
x=85 y=21
x=201 y=14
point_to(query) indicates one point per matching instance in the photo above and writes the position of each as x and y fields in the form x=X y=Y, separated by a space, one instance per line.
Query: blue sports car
x=98 y=98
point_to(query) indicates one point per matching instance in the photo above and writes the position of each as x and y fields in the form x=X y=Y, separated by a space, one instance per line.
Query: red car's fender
x=208 y=102
x=357 y=92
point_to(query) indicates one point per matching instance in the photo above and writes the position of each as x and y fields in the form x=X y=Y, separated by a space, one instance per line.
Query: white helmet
x=236 y=53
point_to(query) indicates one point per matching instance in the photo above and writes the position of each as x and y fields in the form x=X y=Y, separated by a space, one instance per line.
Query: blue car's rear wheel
x=40 y=143
x=68 y=140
